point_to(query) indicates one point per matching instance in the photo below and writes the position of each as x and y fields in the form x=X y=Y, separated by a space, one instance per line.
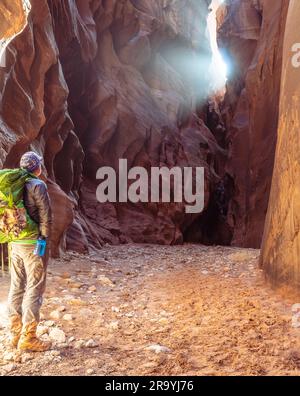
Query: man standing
x=28 y=269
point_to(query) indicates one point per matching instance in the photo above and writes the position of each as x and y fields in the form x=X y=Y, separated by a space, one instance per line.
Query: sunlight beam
x=219 y=68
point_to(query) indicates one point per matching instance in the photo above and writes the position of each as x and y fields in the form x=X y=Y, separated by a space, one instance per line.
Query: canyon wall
x=281 y=242
x=251 y=38
x=89 y=82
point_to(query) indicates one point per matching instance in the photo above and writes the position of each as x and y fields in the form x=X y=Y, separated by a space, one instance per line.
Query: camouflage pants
x=28 y=282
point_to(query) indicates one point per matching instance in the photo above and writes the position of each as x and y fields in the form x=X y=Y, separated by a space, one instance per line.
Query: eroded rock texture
x=89 y=82
x=12 y=18
x=34 y=102
x=252 y=36
x=281 y=242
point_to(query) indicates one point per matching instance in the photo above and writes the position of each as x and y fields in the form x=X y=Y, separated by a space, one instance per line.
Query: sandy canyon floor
x=157 y=310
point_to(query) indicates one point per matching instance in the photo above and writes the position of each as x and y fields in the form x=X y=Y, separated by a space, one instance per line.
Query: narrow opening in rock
x=219 y=68
x=13 y=26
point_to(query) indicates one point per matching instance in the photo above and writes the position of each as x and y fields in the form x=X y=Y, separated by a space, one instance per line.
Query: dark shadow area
x=212 y=228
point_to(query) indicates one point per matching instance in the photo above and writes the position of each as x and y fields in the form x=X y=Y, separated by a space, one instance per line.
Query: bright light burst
x=219 y=68
x=4 y=42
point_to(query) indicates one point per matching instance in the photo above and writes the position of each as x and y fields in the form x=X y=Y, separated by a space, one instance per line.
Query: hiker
x=27 y=236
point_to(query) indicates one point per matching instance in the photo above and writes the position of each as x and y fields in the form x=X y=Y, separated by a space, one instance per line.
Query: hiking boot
x=29 y=340
x=15 y=330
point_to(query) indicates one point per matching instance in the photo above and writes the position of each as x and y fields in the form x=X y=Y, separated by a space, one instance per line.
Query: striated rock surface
x=251 y=35
x=89 y=82
x=281 y=242
x=34 y=103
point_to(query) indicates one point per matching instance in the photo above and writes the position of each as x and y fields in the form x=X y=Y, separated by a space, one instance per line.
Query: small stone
x=129 y=315
x=114 y=325
x=149 y=365
x=57 y=335
x=163 y=321
x=26 y=357
x=75 y=285
x=90 y=371
x=71 y=339
x=296 y=322
x=42 y=330
x=158 y=348
x=79 y=344
x=8 y=356
x=9 y=368
x=55 y=315
x=69 y=297
x=85 y=312
x=105 y=281
x=54 y=353
x=91 y=344
x=61 y=309
x=296 y=308
x=93 y=289
x=63 y=345
x=77 y=302
x=46 y=338
x=68 y=317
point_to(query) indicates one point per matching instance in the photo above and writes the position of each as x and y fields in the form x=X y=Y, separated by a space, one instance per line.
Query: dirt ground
x=159 y=310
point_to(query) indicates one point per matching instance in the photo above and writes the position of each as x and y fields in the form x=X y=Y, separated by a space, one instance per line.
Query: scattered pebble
x=105 y=281
x=68 y=317
x=158 y=348
x=55 y=315
x=8 y=356
x=9 y=368
x=79 y=344
x=296 y=308
x=114 y=325
x=49 y=323
x=57 y=335
x=91 y=344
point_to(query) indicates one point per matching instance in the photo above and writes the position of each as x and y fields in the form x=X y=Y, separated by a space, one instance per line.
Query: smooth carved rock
x=280 y=248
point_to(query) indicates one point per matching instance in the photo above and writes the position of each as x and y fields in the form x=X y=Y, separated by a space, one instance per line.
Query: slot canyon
x=85 y=83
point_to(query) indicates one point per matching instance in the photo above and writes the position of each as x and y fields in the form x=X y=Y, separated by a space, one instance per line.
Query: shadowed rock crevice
x=251 y=39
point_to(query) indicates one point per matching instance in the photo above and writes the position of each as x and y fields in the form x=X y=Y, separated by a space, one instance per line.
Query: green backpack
x=15 y=222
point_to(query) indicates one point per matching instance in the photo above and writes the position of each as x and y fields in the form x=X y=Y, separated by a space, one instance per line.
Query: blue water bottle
x=40 y=248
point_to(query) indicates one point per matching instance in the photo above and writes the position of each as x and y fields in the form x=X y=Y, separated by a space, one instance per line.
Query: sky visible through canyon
x=218 y=68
